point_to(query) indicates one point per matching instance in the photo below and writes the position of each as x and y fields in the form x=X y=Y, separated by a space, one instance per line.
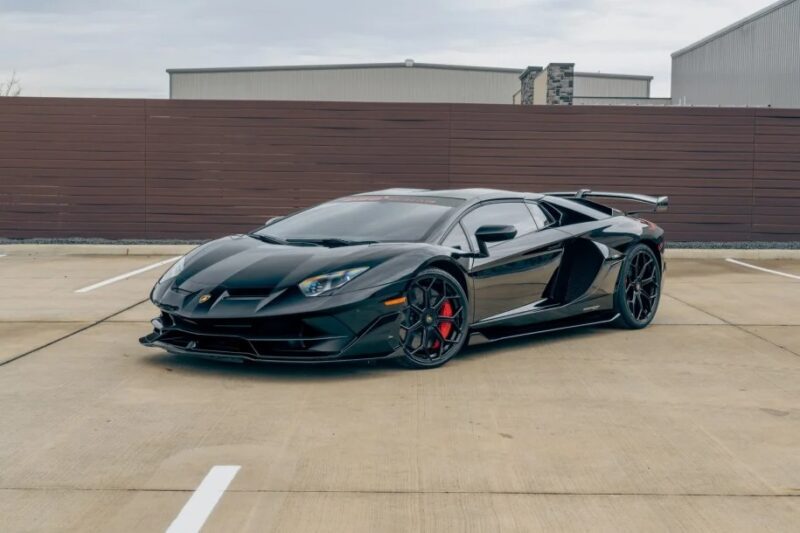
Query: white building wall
x=380 y=84
x=605 y=100
x=394 y=84
x=755 y=62
x=608 y=85
x=540 y=89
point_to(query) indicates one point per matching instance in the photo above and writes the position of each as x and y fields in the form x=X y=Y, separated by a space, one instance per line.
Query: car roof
x=468 y=195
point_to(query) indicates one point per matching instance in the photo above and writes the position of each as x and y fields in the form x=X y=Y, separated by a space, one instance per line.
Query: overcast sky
x=121 y=48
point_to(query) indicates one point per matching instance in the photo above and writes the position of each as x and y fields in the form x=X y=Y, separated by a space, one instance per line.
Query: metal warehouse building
x=391 y=82
x=754 y=62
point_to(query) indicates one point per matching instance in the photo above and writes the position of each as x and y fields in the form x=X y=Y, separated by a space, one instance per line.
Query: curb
x=735 y=253
x=95 y=249
x=180 y=249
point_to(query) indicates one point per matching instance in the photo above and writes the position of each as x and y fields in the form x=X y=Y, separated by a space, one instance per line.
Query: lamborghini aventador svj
x=412 y=274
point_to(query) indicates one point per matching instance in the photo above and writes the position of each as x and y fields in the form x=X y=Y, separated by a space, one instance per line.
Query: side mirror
x=274 y=219
x=486 y=234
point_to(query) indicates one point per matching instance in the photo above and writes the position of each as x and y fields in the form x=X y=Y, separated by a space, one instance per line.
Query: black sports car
x=412 y=274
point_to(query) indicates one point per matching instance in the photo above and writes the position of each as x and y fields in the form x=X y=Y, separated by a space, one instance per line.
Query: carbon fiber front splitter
x=377 y=341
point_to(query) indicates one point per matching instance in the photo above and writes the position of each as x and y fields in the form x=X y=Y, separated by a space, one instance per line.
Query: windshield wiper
x=331 y=242
x=267 y=238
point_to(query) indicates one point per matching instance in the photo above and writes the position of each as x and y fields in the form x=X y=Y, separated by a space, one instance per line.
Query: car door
x=513 y=278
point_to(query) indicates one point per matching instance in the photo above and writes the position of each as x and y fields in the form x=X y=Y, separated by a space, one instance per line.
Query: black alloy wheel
x=639 y=288
x=433 y=328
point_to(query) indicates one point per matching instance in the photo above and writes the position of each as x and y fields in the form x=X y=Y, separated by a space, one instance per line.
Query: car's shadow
x=358 y=369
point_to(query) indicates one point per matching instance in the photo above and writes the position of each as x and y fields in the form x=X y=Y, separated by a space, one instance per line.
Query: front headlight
x=174 y=270
x=317 y=285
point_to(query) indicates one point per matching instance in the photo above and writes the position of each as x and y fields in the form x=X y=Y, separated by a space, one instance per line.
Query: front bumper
x=344 y=330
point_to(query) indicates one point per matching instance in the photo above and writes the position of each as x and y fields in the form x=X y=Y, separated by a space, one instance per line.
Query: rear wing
x=658 y=204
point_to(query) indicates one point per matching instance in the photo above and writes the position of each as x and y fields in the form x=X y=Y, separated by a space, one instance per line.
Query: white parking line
x=197 y=510
x=742 y=263
x=127 y=275
x=2 y=255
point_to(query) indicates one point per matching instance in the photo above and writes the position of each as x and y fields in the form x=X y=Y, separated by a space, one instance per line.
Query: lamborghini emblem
x=204 y=298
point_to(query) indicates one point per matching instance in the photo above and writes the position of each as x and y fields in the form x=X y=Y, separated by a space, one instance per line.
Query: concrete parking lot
x=691 y=424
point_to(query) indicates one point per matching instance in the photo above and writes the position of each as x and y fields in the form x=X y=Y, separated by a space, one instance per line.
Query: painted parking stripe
x=128 y=274
x=197 y=510
x=2 y=255
x=776 y=272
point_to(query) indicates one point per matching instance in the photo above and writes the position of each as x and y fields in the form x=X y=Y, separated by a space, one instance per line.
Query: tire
x=434 y=326
x=638 y=289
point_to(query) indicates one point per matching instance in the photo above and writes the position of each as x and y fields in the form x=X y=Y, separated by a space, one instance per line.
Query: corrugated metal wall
x=199 y=169
x=755 y=64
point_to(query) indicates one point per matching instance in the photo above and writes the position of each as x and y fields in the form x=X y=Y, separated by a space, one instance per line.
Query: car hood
x=244 y=263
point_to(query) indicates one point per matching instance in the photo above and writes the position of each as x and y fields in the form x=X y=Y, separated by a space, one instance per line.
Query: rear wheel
x=639 y=288
x=434 y=323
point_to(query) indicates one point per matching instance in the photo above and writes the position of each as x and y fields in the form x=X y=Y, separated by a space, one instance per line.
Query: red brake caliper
x=444 y=327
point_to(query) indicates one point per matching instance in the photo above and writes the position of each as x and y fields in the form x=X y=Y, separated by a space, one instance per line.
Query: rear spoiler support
x=659 y=203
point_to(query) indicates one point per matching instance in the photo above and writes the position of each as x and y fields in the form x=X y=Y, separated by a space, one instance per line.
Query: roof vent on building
x=409 y=62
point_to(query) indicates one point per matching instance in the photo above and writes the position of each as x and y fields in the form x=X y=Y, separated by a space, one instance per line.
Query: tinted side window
x=499 y=214
x=539 y=216
x=457 y=239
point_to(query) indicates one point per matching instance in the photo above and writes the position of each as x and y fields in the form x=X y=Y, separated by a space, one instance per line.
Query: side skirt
x=497 y=334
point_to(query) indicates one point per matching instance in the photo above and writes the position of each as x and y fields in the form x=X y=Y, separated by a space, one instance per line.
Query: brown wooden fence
x=196 y=169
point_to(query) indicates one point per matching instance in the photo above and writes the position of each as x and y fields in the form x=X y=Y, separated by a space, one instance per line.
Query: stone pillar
x=560 y=83
x=526 y=81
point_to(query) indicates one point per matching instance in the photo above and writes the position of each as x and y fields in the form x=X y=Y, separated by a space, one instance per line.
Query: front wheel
x=433 y=328
x=639 y=288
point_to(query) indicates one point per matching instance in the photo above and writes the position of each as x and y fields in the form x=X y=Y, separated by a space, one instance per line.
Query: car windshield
x=364 y=219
